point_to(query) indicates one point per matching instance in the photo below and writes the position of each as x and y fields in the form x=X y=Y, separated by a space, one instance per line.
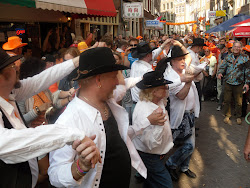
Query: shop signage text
x=133 y=10
x=152 y=23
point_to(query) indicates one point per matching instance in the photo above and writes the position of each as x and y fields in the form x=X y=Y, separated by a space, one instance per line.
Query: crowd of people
x=86 y=111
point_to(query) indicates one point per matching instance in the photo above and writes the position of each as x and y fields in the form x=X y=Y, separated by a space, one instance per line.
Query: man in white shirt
x=19 y=145
x=95 y=111
x=195 y=48
x=146 y=56
x=184 y=107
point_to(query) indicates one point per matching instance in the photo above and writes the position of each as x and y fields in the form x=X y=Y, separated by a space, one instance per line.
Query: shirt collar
x=145 y=63
x=88 y=109
x=6 y=106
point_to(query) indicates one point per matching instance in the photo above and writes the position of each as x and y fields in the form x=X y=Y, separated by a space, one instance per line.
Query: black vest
x=14 y=175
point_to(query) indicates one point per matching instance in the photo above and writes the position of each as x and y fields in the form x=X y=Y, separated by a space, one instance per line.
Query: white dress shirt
x=177 y=106
x=21 y=144
x=138 y=69
x=83 y=116
x=195 y=61
x=154 y=139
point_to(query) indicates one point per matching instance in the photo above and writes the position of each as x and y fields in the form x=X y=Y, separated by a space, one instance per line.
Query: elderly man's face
x=178 y=63
x=237 y=48
x=109 y=81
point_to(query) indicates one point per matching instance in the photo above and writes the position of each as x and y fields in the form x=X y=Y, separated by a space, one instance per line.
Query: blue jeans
x=182 y=155
x=157 y=174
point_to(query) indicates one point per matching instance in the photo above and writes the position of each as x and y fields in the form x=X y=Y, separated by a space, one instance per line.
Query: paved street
x=218 y=158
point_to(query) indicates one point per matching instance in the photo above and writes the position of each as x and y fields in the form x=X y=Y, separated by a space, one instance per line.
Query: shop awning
x=75 y=6
x=90 y=7
x=26 y=3
x=101 y=7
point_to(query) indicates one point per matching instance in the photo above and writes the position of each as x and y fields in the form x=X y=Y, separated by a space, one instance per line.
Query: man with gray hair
x=235 y=69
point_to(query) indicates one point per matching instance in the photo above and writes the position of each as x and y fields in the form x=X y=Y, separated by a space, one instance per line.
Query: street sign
x=221 y=13
x=211 y=14
x=133 y=10
x=152 y=23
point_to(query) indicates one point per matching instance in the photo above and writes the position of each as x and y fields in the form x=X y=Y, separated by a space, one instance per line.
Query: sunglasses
x=133 y=45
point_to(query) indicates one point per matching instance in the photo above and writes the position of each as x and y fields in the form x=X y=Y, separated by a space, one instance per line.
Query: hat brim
x=11 y=59
x=198 y=44
x=135 y=53
x=7 y=47
x=141 y=84
x=99 y=70
x=169 y=58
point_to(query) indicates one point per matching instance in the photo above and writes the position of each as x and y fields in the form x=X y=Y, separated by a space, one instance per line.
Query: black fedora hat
x=176 y=51
x=198 y=42
x=6 y=60
x=142 y=49
x=152 y=79
x=97 y=61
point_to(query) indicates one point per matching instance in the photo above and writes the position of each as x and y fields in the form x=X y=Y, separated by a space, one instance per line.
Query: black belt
x=134 y=102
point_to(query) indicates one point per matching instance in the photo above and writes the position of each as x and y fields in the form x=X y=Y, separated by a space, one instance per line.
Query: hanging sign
x=211 y=14
x=133 y=10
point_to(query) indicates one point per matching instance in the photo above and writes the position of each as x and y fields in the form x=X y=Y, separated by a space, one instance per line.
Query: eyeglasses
x=133 y=45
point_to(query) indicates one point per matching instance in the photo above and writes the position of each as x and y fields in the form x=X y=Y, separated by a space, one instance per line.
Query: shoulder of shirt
x=77 y=106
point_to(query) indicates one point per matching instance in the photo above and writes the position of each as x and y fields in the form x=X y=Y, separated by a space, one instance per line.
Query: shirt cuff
x=66 y=178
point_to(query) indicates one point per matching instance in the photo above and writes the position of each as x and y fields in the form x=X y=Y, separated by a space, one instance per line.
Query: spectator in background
x=27 y=51
x=220 y=83
x=34 y=109
x=51 y=42
x=13 y=47
x=127 y=102
x=107 y=39
x=152 y=43
x=196 y=47
x=208 y=92
x=50 y=61
x=236 y=71
x=122 y=45
x=82 y=46
x=128 y=59
x=67 y=83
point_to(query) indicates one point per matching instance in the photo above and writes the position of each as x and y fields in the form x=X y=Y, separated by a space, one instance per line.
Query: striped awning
x=91 y=7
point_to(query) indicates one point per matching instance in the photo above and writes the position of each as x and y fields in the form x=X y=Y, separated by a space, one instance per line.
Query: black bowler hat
x=152 y=79
x=97 y=61
x=142 y=49
x=198 y=42
x=6 y=60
